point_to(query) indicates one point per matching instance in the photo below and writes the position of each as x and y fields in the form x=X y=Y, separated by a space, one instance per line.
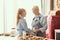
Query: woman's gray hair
x=35 y=7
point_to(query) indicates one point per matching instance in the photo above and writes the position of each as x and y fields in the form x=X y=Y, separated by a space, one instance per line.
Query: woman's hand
x=35 y=31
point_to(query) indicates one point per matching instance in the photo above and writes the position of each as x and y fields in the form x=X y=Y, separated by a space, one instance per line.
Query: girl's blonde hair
x=19 y=13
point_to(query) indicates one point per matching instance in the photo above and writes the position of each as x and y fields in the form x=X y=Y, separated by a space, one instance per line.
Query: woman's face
x=36 y=11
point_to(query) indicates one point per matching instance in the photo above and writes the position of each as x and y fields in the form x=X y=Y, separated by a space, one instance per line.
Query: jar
x=24 y=34
x=13 y=31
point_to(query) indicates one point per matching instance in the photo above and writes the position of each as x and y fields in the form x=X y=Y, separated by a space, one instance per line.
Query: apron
x=40 y=34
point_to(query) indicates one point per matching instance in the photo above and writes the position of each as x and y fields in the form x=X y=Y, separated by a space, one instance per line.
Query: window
x=8 y=11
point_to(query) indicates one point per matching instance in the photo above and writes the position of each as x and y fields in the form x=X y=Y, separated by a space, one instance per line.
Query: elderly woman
x=39 y=23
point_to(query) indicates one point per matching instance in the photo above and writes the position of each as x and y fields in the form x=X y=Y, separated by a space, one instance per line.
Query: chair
x=54 y=23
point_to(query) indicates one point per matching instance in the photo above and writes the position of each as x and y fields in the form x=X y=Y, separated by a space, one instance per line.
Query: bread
x=7 y=34
x=31 y=37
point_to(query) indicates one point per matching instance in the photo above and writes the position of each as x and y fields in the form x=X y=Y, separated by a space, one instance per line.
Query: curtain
x=45 y=7
x=1 y=17
x=10 y=15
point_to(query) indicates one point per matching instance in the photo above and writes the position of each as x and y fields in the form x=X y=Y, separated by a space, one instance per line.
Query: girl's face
x=23 y=14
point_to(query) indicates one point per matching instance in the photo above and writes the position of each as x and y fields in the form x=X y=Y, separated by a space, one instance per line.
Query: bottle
x=24 y=34
x=13 y=32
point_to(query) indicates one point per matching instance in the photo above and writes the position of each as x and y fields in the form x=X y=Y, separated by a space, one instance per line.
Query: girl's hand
x=20 y=16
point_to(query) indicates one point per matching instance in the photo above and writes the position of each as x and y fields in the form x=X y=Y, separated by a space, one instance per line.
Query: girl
x=21 y=22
